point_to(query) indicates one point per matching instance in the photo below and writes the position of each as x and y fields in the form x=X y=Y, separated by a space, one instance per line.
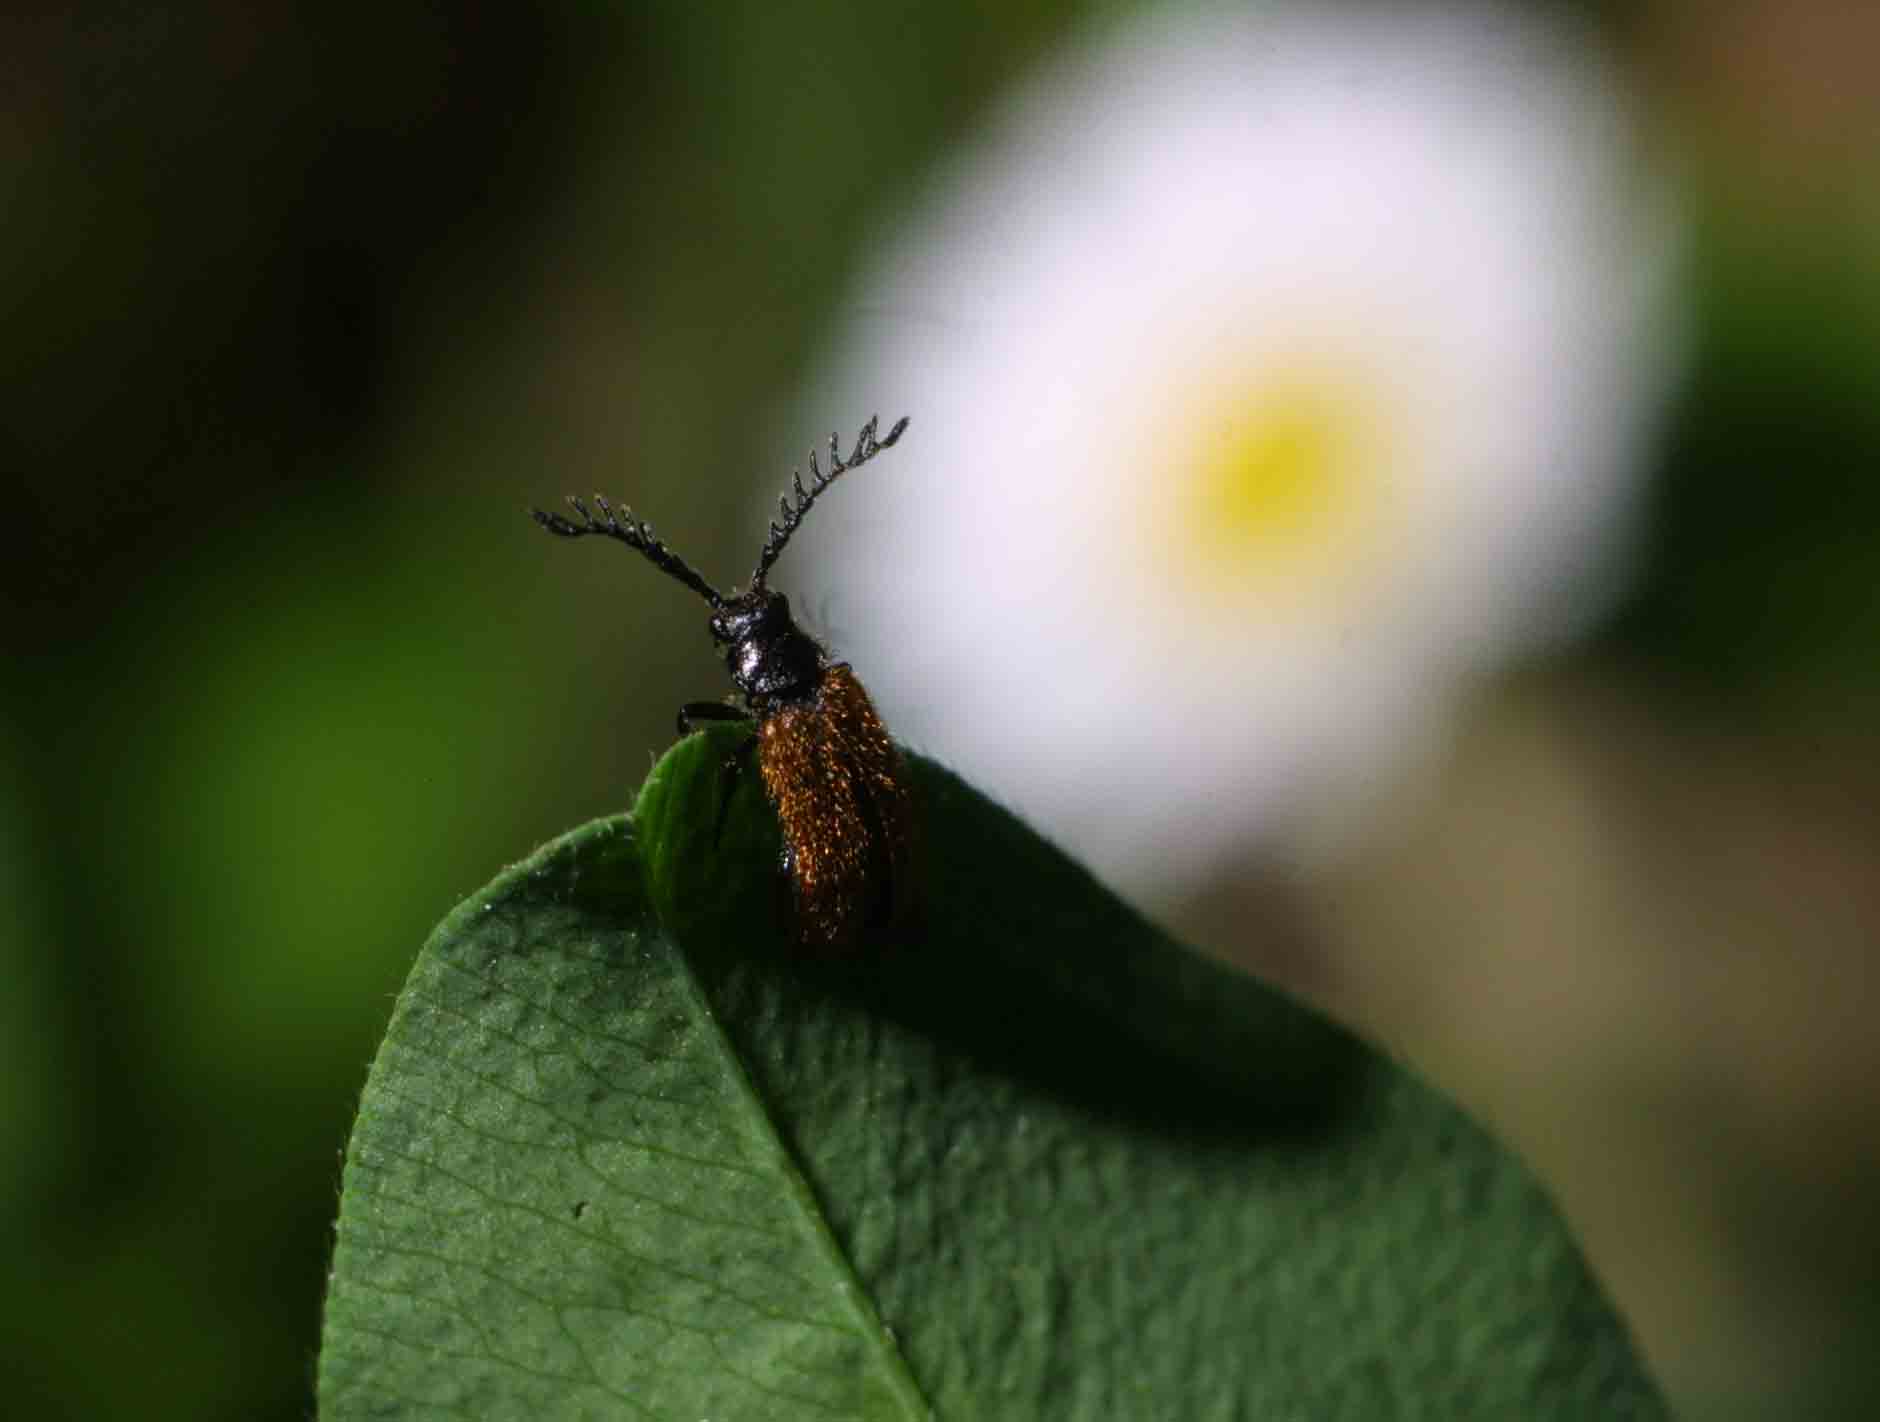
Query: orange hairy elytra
x=841 y=797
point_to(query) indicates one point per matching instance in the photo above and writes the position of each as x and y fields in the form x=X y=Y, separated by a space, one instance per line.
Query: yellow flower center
x=1279 y=485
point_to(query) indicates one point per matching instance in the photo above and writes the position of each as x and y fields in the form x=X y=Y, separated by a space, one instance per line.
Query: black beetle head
x=758 y=614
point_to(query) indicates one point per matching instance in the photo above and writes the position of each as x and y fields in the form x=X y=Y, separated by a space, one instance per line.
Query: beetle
x=829 y=767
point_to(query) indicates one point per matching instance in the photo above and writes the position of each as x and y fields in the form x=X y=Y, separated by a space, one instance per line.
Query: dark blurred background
x=304 y=306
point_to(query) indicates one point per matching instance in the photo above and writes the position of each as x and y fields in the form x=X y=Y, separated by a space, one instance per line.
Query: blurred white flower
x=1272 y=378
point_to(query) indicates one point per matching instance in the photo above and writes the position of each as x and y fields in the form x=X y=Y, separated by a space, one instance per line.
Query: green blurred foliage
x=303 y=306
x=1760 y=578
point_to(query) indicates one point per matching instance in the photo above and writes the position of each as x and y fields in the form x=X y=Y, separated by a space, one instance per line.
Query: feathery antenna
x=635 y=533
x=866 y=448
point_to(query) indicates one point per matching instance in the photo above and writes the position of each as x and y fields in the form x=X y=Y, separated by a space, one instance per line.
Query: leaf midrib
x=906 y=1391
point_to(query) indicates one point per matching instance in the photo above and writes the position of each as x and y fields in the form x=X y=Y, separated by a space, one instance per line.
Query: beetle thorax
x=768 y=655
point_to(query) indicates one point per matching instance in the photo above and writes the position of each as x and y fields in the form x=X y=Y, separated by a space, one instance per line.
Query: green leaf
x=627 y=1153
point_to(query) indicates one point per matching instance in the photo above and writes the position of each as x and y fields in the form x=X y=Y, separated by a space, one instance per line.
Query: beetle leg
x=695 y=711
